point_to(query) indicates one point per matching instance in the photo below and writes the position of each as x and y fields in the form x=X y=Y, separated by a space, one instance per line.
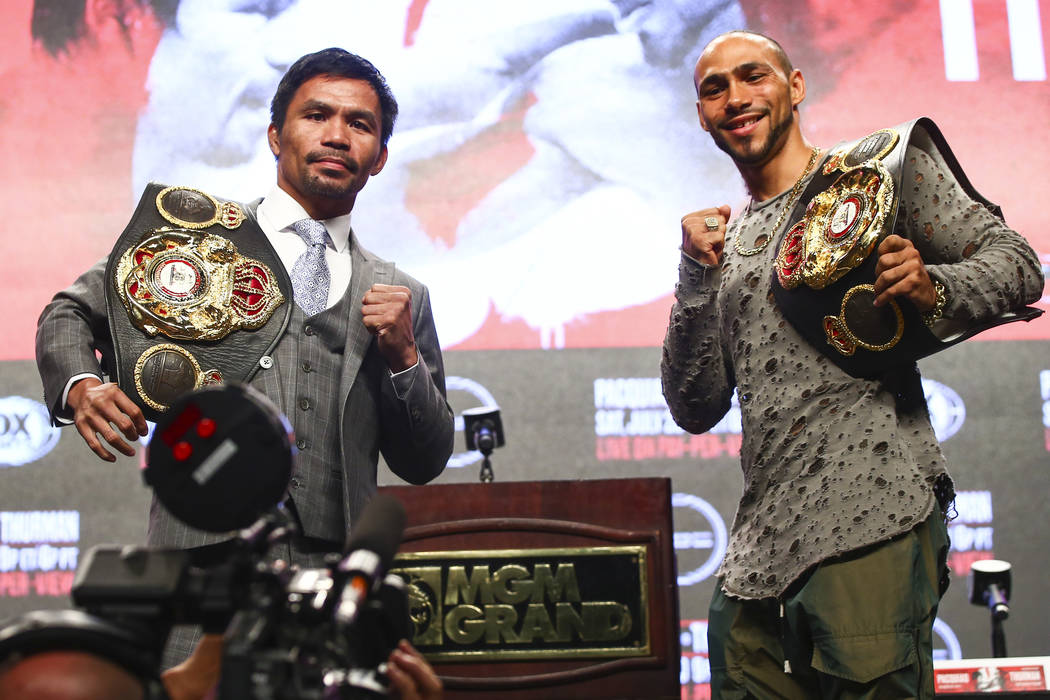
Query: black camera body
x=284 y=636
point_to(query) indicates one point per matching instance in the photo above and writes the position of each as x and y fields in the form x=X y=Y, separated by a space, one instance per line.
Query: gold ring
x=711 y=223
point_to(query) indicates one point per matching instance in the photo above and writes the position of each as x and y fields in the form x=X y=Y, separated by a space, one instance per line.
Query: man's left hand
x=900 y=272
x=387 y=313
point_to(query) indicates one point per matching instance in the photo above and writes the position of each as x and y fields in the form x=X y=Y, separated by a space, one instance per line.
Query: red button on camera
x=182 y=451
x=205 y=427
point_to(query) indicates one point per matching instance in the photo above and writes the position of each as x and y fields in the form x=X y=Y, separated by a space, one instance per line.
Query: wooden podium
x=544 y=589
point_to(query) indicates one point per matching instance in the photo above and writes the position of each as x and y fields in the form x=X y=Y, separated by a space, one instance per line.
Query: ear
x=274 y=140
x=380 y=161
x=99 y=13
x=798 y=88
x=703 y=122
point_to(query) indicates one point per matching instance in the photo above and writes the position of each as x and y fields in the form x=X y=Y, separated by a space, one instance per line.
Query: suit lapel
x=365 y=271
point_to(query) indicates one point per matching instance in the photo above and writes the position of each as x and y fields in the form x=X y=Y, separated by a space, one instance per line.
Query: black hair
x=341 y=64
x=58 y=23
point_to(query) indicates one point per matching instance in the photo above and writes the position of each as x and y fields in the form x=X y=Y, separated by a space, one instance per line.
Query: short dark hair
x=341 y=64
x=58 y=23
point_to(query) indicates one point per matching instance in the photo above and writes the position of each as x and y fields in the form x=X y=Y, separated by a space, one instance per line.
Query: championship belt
x=824 y=275
x=192 y=286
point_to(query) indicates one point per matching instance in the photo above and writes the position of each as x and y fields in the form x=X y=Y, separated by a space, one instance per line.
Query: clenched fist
x=387 y=313
x=704 y=234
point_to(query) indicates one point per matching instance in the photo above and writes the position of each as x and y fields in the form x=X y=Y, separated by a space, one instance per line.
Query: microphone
x=370 y=549
x=485 y=439
x=483 y=429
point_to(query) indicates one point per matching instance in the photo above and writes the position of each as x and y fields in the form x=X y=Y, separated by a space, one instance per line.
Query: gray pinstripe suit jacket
x=414 y=433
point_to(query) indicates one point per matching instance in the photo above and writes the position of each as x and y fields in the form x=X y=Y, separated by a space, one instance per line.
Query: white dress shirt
x=276 y=214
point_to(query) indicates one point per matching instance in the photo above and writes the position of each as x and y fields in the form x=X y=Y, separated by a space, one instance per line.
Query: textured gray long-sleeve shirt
x=831 y=463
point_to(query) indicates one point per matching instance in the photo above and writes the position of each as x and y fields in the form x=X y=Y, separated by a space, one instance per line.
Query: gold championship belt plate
x=190 y=285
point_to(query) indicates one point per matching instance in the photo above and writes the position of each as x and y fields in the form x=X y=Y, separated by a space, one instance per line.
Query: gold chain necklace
x=795 y=191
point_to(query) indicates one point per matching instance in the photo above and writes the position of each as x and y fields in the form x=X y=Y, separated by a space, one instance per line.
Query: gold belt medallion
x=840 y=229
x=191 y=285
x=861 y=324
x=190 y=208
x=165 y=371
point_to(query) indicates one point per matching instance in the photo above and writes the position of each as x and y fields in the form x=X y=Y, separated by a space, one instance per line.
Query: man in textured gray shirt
x=836 y=560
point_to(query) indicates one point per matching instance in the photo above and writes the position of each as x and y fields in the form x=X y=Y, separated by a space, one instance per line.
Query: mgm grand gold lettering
x=567 y=603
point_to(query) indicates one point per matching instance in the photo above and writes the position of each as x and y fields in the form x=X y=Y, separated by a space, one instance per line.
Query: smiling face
x=329 y=144
x=746 y=97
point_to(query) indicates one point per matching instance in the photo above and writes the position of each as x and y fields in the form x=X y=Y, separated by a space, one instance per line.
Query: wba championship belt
x=824 y=275
x=192 y=287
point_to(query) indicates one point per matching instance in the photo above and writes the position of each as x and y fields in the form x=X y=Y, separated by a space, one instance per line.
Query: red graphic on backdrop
x=639 y=447
x=989 y=679
x=868 y=68
x=20 y=584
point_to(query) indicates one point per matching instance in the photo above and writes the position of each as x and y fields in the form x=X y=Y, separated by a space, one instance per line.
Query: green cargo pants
x=857 y=626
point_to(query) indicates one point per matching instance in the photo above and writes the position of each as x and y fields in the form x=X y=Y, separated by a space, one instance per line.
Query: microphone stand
x=486 y=442
x=1000 y=610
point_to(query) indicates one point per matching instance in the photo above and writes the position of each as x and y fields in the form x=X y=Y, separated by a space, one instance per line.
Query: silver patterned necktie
x=310 y=275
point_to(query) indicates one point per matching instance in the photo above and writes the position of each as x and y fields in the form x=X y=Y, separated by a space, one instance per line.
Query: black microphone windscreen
x=379 y=528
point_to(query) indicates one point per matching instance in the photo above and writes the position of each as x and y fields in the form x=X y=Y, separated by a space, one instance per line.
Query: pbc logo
x=26 y=433
x=698 y=527
x=947 y=410
x=945 y=642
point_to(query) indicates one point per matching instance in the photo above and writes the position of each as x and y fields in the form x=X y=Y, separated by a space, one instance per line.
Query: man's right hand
x=702 y=242
x=97 y=409
x=411 y=677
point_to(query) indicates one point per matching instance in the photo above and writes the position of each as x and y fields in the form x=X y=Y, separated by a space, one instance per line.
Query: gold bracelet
x=940 y=299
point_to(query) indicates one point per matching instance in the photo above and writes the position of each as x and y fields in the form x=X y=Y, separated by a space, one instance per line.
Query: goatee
x=322 y=188
x=748 y=157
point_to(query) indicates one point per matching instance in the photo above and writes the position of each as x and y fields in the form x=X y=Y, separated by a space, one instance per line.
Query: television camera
x=220 y=460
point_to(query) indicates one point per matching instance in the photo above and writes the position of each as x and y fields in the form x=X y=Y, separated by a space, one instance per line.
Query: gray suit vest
x=308 y=360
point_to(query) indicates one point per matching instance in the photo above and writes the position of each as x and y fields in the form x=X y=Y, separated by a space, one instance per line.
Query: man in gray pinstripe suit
x=361 y=376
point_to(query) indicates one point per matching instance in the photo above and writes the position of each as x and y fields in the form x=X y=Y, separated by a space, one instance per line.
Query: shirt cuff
x=403 y=380
x=696 y=277
x=65 y=396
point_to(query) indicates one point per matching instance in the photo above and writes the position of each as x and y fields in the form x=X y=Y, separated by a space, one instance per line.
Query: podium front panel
x=552 y=589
